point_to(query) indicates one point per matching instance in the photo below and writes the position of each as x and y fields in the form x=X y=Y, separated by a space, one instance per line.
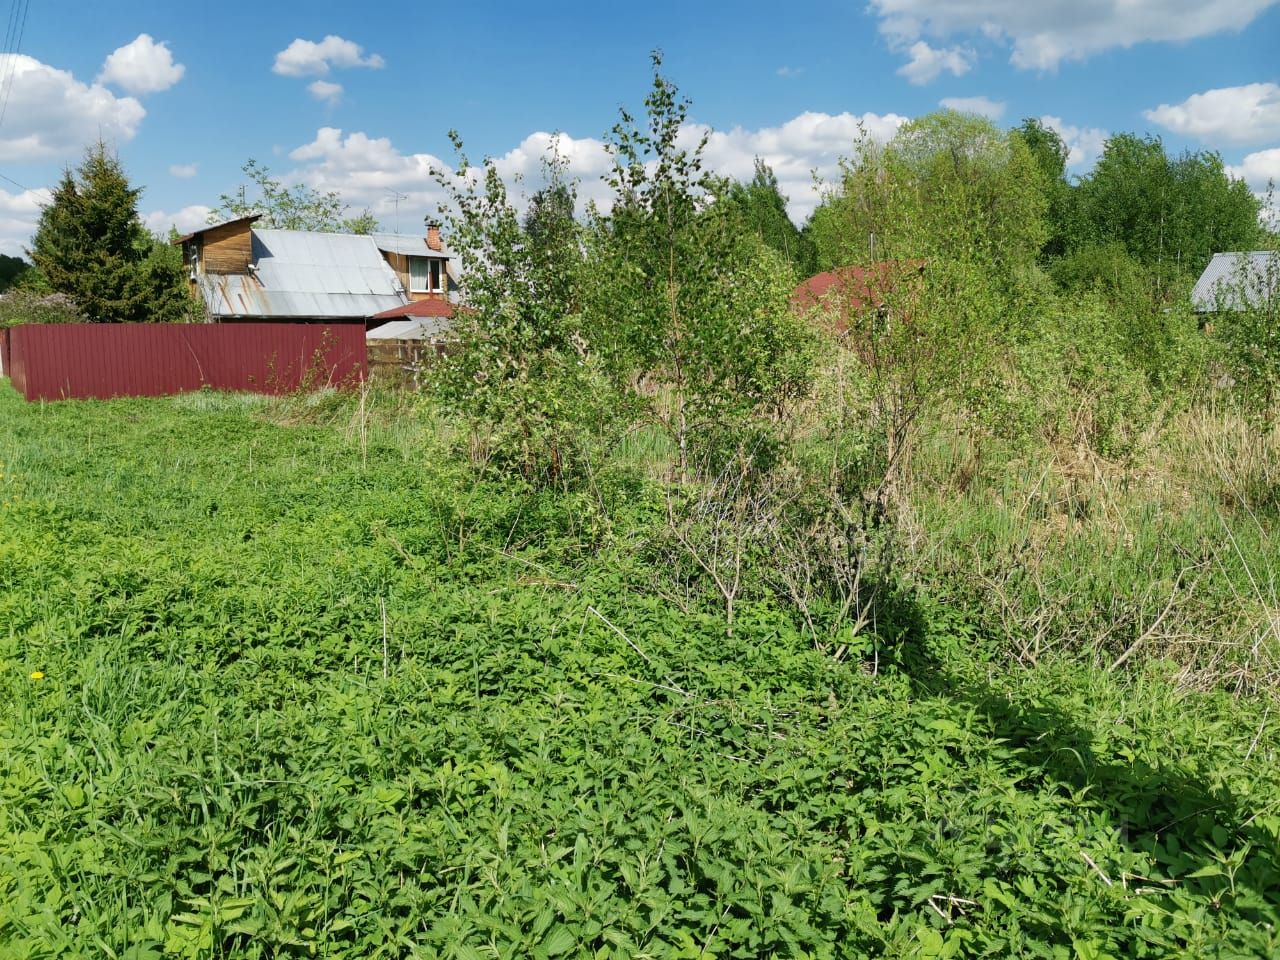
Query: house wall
x=400 y=264
x=228 y=248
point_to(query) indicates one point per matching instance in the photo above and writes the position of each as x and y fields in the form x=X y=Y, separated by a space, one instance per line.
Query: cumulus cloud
x=1084 y=144
x=142 y=66
x=1043 y=34
x=51 y=115
x=184 y=221
x=983 y=106
x=1247 y=114
x=19 y=214
x=369 y=171
x=325 y=91
x=304 y=58
x=1261 y=171
x=927 y=63
x=184 y=171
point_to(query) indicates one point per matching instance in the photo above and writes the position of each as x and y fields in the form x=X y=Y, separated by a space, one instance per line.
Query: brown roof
x=853 y=289
x=418 y=308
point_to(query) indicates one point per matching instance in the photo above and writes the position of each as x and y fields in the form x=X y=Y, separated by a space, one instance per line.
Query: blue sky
x=358 y=98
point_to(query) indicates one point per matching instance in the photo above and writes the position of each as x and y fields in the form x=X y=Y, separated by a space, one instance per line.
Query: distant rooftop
x=1231 y=278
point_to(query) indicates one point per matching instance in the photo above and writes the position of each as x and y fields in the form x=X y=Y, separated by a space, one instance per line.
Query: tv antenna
x=396 y=197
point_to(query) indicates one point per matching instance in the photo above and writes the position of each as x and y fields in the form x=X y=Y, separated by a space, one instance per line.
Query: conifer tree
x=91 y=246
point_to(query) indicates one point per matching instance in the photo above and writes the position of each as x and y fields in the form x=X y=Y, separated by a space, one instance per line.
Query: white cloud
x=52 y=116
x=306 y=58
x=19 y=215
x=1261 y=171
x=806 y=146
x=184 y=171
x=790 y=71
x=185 y=220
x=982 y=106
x=142 y=66
x=927 y=63
x=367 y=171
x=1084 y=144
x=1044 y=33
x=324 y=90
x=1247 y=114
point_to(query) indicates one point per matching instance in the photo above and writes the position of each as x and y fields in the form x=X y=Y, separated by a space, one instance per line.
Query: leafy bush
x=20 y=305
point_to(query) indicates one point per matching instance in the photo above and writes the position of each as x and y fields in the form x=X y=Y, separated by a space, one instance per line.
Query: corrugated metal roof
x=420 y=328
x=1256 y=274
x=407 y=245
x=313 y=275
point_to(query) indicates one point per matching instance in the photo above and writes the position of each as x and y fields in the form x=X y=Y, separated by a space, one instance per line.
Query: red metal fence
x=102 y=360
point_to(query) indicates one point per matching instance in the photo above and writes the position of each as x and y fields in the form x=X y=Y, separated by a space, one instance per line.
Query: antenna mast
x=396 y=197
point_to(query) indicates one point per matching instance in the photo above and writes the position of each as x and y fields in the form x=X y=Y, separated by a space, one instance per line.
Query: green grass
x=550 y=753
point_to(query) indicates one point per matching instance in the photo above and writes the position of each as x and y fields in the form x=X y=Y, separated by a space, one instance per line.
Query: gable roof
x=297 y=273
x=1255 y=274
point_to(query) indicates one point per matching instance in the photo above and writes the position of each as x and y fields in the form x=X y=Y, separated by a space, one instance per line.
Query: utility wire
x=13 y=57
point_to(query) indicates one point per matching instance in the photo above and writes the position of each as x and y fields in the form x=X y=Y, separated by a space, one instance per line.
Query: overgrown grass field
x=300 y=685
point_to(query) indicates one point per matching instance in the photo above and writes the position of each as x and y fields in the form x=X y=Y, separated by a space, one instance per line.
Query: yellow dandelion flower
x=37 y=674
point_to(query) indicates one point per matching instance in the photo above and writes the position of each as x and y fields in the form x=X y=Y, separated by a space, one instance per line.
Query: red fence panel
x=103 y=360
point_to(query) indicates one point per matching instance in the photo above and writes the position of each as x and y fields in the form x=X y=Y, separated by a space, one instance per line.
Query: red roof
x=418 y=308
x=851 y=289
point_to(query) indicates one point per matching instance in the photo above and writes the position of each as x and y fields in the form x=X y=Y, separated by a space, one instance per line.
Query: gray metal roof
x=304 y=274
x=407 y=245
x=1231 y=277
x=413 y=328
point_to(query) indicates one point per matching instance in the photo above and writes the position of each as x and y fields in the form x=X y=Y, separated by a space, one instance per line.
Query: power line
x=13 y=57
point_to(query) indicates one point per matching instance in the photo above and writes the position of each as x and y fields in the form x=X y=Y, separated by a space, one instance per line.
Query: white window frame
x=432 y=264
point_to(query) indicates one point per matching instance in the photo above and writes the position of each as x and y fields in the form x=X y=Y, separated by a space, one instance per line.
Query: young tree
x=523 y=377
x=290 y=208
x=91 y=246
x=1050 y=153
x=691 y=312
x=948 y=186
x=549 y=221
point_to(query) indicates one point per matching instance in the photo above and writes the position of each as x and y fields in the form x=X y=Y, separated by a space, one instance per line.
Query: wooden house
x=246 y=273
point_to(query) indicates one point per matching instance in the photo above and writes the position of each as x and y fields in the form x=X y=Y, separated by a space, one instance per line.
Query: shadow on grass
x=1208 y=841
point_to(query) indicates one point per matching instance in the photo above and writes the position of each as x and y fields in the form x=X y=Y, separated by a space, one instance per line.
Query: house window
x=425 y=275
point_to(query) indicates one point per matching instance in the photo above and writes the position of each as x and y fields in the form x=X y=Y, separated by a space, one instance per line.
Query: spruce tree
x=91 y=246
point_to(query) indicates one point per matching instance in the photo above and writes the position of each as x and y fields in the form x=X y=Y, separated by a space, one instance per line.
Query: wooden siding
x=399 y=262
x=103 y=360
x=228 y=248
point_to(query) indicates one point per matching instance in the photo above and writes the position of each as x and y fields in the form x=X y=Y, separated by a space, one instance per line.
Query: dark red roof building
x=846 y=291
